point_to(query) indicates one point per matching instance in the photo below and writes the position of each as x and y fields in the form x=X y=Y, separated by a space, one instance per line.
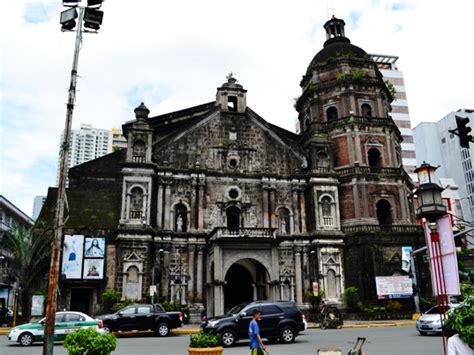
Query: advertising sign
x=93 y=269
x=94 y=247
x=448 y=256
x=393 y=287
x=72 y=256
x=37 y=306
x=406 y=258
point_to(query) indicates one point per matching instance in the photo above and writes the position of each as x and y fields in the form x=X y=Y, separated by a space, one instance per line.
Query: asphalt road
x=403 y=340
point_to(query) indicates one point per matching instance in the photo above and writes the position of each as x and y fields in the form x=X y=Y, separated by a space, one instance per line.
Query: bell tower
x=231 y=96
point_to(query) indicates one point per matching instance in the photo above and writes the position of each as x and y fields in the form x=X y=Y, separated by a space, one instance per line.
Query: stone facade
x=218 y=206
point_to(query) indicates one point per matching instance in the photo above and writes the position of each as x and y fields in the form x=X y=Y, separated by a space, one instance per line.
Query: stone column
x=127 y=208
x=298 y=272
x=201 y=207
x=273 y=223
x=305 y=267
x=365 y=198
x=159 y=217
x=403 y=208
x=350 y=147
x=302 y=211
x=390 y=149
x=199 y=275
x=355 y=196
x=296 y=208
x=165 y=273
x=358 y=148
x=265 y=208
x=193 y=206
x=191 y=250
x=167 y=206
x=255 y=297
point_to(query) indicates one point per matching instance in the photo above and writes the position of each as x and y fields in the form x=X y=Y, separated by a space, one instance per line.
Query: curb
x=196 y=330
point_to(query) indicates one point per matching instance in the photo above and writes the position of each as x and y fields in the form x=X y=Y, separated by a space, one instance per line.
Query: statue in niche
x=283 y=226
x=179 y=223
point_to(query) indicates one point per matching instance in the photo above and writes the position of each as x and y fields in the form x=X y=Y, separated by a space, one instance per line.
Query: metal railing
x=377 y=228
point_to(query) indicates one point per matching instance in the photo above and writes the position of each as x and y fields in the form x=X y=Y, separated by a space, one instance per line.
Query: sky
x=174 y=54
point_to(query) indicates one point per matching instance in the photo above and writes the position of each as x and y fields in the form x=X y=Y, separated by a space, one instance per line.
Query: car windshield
x=236 y=309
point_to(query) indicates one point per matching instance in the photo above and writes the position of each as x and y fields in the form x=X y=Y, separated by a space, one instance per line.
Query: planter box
x=206 y=351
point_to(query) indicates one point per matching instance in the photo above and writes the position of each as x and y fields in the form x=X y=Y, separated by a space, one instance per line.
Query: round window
x=233 y=193
x=233 y=163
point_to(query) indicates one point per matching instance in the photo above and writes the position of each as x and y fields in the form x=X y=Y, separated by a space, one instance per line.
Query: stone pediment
x=233 y=142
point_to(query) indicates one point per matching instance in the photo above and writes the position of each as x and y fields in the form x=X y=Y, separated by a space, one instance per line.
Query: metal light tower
x=92 y=19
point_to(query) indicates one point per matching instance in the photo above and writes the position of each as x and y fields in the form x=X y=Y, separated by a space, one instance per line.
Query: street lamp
x=429 y=194
x=68 y=23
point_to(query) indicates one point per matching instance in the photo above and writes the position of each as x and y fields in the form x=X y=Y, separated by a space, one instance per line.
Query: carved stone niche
x=132 y=276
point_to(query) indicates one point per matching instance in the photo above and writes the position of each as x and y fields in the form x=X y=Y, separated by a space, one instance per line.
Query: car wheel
x=26 y=339
x=422 y=333
x=162 y=330
x=287 y=335
x=228 y=338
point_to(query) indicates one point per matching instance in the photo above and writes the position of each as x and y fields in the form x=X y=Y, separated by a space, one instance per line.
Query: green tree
x=28 y=258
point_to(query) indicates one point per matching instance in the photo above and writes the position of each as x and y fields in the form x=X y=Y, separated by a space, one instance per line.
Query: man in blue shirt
x=256 y=345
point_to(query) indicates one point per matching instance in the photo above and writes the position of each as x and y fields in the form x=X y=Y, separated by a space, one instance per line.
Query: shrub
x=461 y=321
x=342 y=76
x=352 y=297
x=171 y=306
x=358 y=74
x=88 y=340
x=203 y=340
x=109 y=297
x=394 y=306
x=391 y=89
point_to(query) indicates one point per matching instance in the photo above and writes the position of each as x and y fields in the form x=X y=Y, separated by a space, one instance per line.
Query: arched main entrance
x=246 y=281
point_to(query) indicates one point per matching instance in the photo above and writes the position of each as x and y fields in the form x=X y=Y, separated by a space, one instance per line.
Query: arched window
x=180 y=218
x=375 y=158
x=326 y=211
x=384 y=212
x=331 y=114
x=132 y=274
x=139 y=151
x=136 y=203
x=233 y=217
x=366 y=110
x=284 y=221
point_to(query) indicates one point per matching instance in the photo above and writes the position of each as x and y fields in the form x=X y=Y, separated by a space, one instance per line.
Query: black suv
x=280 y=320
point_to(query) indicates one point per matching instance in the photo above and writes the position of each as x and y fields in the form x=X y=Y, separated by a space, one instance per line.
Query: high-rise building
x=87 y=143
x=38 y=205
x=118 y=139
x=437 y=146
x=400 y=113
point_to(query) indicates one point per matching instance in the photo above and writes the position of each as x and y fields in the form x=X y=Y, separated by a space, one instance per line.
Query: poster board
x=389 y=287
x=73 y=249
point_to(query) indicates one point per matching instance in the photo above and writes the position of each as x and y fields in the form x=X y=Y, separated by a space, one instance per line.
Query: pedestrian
x=256 y=345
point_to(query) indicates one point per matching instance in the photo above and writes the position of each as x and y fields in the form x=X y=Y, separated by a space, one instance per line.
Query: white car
x=430 y=321
x=66 y=322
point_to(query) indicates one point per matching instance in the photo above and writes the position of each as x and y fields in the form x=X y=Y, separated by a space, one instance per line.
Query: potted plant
x=203 y=343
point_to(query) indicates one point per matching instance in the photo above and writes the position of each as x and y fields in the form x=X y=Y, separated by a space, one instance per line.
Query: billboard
x=93 y=269
x=94 y=247
x=393 y=287
x=73 y=250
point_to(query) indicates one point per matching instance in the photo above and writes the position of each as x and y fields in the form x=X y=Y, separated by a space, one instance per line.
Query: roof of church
x=339 y=46
x=95 y=209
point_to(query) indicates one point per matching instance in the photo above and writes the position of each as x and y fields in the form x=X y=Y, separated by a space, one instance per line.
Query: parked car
x=280 y=320
x=143 y=317
x=66 y=322
x=430 y=321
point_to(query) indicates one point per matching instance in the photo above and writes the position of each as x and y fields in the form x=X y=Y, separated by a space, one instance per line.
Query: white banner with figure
x=393 y=287
x=72 y=256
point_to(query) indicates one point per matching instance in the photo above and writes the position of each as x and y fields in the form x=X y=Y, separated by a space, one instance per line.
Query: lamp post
x=92 y=19
x=431 y=208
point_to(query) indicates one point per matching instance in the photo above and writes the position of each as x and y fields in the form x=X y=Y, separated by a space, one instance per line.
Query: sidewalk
x=194 y=328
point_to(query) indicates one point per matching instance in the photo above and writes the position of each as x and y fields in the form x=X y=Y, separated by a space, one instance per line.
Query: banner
x=406 y=258
x=93 y=269
x=94 y=247
x=448 y=256
x=393 y=287
x=72 y=256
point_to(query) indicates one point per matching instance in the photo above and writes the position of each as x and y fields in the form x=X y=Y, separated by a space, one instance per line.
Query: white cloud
x=174 y=54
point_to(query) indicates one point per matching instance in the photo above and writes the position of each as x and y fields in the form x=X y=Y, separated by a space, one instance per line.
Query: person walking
x=256 y=345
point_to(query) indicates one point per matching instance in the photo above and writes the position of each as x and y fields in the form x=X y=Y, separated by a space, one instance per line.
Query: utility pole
x=60 y=201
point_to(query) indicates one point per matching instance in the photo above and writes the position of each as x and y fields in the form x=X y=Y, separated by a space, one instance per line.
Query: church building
x=216 y=206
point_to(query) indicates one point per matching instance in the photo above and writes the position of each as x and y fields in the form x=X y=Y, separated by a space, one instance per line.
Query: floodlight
x=67 y=19
x=93 y=18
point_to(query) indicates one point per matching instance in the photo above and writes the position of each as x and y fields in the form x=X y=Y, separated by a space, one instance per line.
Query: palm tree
x=28 y=257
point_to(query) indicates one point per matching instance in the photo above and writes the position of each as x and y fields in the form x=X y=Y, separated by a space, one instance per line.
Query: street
x=384 y=340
